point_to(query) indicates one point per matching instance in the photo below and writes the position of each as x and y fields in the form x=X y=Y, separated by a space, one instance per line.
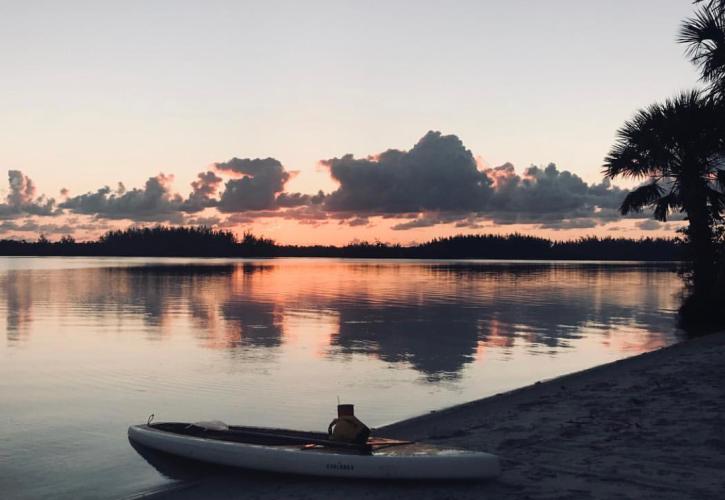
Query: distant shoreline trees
x=161 y=241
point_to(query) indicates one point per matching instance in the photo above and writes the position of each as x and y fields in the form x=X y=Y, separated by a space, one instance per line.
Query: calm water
x=93 y=345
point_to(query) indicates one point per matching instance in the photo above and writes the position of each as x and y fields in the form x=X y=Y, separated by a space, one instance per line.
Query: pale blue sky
x=97 y=92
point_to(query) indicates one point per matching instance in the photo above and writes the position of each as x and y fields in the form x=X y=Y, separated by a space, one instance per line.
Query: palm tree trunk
x=702 y=248
x=720 y=279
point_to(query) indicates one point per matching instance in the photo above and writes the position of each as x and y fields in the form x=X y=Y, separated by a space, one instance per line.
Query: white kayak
x=310 y=453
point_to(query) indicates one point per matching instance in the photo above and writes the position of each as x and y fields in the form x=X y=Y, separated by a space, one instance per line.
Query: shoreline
x=649 y=426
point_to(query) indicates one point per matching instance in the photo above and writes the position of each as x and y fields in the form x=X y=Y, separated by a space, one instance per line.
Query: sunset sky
x=326 y=122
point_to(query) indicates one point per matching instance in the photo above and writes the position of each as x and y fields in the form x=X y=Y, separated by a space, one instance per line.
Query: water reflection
x=436 y=339
x=18 y=297
x=93 y=345
x=542 y=305
x=433 y=317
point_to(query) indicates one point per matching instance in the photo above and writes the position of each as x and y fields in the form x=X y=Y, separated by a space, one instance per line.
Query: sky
x=287 y=109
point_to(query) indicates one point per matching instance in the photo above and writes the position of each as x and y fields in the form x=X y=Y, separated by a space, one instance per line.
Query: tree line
x=163 y=241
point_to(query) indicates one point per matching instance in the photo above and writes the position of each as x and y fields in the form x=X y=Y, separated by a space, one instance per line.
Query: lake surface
x=92 y=345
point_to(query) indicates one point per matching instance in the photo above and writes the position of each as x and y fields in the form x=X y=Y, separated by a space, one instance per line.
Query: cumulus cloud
x=438 y=181
x=153 y=202
x=286 y=200
x=432 y=219
x=257 y=187
x=438 y=173
x=22 y=200
x=204 y=192
x=548 y=195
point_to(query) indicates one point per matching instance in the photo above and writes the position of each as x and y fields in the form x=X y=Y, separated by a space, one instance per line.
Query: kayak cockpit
x=257 y=435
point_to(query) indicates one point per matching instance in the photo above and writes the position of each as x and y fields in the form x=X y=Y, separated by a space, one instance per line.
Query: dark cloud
x=257 y=188
x=358 y=221
x=285 y=200
x=438 y=173
x=153 y=202
x=236 y=219
x=438 y=181
x=204 y=192
x=31 y=226
x=309 y=214
x=203 y=221
x=548 y=195
x=430 y=219
x=22 y=200
x=649 y=225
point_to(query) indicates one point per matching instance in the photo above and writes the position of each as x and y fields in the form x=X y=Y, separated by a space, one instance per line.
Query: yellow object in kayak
x=347 y=428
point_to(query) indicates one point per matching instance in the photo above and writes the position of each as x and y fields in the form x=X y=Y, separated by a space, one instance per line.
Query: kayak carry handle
x=329 y=427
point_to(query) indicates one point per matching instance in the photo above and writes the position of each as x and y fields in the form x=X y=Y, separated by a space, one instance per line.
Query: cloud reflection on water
x=434 y=317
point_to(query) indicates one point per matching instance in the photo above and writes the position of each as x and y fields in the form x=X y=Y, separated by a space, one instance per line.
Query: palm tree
x=704 y=35
x=676 y=147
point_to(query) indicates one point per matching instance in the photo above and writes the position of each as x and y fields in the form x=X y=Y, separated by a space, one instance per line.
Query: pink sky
x=94 y=94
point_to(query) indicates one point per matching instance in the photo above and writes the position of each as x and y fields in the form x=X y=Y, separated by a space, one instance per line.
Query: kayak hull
x=408 y=461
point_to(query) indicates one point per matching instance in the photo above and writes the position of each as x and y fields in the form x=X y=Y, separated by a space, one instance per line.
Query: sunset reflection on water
x=92 y=345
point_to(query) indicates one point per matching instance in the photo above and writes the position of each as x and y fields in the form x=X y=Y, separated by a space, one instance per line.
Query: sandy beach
x=651 y=426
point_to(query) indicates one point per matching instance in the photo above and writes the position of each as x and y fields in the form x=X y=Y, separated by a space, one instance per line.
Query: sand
x=651 y=426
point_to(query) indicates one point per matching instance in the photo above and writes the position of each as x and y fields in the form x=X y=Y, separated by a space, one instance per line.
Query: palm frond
x=704 y=36
x=639 y=147
x=717 y=201
x=712 y=4
x=658 y=139
x=666 y=204
x=644 y=196
x=721 y=179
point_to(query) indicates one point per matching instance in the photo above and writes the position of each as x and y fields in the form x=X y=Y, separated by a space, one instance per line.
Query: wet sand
x=652 y=426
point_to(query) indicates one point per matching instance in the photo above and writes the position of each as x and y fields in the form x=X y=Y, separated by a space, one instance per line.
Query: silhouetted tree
x=704 y=36
x=676 y=147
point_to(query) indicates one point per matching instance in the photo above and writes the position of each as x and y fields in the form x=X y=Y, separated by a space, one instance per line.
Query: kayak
x=311 y=453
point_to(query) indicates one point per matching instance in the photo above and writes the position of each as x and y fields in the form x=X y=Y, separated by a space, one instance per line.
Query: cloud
x=154 y=202
x=285 y=200
x=358 y=221
x=31 y=226
x=438 y=173
x=260 y=182
x=548 y=195
x=203 y=221
x=649 y=225
x=22 y=200
x=438 y=182
x=22 y=189
x=259 y=188
x=204 y=192
x=430 y=219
